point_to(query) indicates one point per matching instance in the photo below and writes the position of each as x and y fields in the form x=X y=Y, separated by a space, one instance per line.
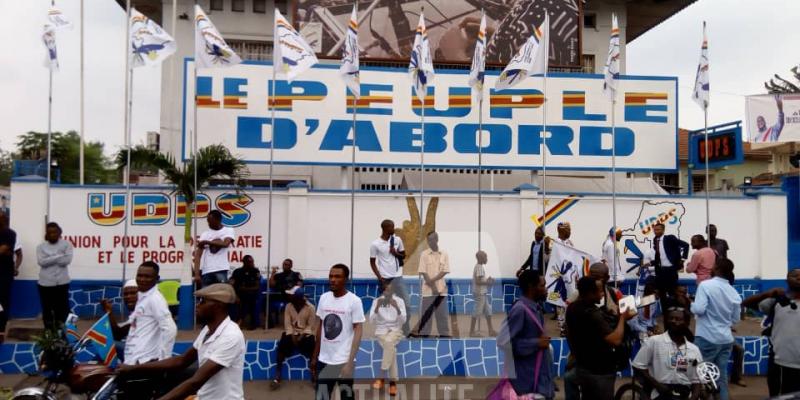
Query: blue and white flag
x=531 y=59
x=478 y=70
x=701 y=81
x=57 y=19
x=566 y=265
x=150 y=44
x=292 y=55
x=350 y=64
x=49 y=41
x=210 y=49
x=611 y=70
x=420 y=68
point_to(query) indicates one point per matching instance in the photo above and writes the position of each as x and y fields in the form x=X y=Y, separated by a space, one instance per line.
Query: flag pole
x=271 y=167
x=705 y=135
x=353 y=186
x=480 y=166
x=544 y=150
x=49 y=139
x=127 y=177
x=614 y=189
x=81 y=155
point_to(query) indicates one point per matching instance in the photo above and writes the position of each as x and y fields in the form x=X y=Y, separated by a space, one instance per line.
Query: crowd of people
x=600 y=332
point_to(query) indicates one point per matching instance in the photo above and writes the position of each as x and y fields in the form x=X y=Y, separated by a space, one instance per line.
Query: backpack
x=400 y=259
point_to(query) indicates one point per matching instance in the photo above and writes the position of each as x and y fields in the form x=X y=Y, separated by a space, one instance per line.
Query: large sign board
x=314 y=118
x=724 y=146
x=386 y=28
x=773 y=118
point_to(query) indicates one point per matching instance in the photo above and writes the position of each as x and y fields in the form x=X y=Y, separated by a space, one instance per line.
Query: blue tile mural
x=434 y=357
x=85 y=295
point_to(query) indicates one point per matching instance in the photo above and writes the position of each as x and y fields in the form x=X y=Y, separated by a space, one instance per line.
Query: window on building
x=260 y=6
x=587 y=63
x=282 y=6
x=698 y=183
x=668 y=182
x=590 y=21
x=237 y=5
x=254 y=50
x=217 y=5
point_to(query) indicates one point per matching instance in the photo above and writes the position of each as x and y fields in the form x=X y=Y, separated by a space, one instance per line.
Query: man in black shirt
x=8 y=238
x=592 y=340
x=279 y=283
x=719 y=245
x=247 y=282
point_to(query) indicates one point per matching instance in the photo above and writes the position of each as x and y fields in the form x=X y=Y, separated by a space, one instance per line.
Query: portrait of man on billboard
x=770 y=134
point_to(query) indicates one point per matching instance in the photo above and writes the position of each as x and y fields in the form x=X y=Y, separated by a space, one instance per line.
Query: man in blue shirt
x=717 y=307
x=525 y=343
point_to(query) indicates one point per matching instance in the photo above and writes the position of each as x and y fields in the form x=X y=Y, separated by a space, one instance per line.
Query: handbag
x=504 y=390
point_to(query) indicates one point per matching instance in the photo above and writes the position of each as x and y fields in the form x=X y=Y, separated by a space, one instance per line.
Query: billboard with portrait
x=386 y=28
x=773 y=118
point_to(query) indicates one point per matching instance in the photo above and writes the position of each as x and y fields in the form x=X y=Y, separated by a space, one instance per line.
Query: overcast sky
x=748 y=42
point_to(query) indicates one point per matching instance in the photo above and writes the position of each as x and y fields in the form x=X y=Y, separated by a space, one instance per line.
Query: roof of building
x=749 y=152
x=643 y=15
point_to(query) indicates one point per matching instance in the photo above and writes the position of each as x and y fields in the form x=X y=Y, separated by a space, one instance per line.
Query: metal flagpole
x=353 y=187
x=49 y=139
x=128 y=82
x=422 y=168
x=269 y=199
x=705 y=134
x=614 y=187
x=81 y=155
x=544 y=154
x=480 y=166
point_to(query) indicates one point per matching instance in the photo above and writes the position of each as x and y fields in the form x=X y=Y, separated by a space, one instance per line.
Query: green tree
x=778 y=85
x=213 y=161
x=6 y=165
x=65 y=151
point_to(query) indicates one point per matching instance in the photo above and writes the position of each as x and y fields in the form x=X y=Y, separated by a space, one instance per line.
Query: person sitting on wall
x=279 y=283
x=247 y=282
x=298 y=331
x=388 y=313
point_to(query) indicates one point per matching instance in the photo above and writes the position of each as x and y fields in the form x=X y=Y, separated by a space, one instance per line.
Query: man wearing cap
x=299 y=324
x=130 y=294
x=219 y=350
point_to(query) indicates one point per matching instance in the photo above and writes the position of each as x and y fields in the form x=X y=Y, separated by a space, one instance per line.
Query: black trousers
x=782 y=380
x=6 y=279
x=434 y=305
x=55 y=305
x=666 y=281
x=328 y=378
x=248 y=302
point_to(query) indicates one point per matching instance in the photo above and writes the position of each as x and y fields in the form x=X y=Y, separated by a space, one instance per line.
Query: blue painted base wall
x=446 y=357
x=85 y=296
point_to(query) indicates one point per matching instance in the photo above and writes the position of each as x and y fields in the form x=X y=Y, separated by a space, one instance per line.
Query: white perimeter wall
x=314 y=228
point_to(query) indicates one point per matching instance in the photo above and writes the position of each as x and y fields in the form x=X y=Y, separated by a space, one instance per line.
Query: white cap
x=130 y=283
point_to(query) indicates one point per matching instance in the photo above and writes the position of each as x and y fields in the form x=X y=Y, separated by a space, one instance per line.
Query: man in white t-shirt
x=385 y=255
x=339 y=328
x=211 y=263
x=219 y=350
x=151 y=333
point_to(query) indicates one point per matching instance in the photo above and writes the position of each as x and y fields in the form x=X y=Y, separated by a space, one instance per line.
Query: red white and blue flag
x=701 y=81
x=420 y=68
x=611 y=70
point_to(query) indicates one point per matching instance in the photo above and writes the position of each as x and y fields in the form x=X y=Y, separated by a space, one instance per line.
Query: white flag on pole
x=210 y=49
x=420 y=68
x=150 y=44
x=611 y=70
x=292 y=55
x=531 y=59
x=57 y=19
x=49 y=40
x=478 y=70
x=567 y=265
x=350 y=63
x=701 y=81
